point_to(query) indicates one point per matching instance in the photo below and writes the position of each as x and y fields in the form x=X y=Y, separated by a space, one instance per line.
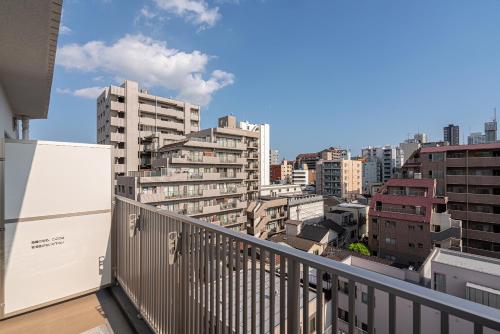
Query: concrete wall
x=6 y=123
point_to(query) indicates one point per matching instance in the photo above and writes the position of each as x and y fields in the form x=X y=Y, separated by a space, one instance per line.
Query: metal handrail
x=447 y=304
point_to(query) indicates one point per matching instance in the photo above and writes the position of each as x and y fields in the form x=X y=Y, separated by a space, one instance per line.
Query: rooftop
x=468 y=261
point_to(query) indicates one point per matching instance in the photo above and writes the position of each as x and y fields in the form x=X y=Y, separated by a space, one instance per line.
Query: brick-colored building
x=407 y=219
x=469 y=175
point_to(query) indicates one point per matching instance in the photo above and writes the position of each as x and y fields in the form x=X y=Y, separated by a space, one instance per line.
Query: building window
x=439 y=282
x=390 y=241
x=390 y=224
x=364 y=297
x=411 y=245
x=478 y=295
x=343 y=315
x=411 y=227
x=420 y=245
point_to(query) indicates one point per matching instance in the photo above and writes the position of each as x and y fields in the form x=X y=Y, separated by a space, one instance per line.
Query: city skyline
x=371 y=62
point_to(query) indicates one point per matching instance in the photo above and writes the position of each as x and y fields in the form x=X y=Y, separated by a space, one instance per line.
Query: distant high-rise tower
x=490 y=129
x=452 y=134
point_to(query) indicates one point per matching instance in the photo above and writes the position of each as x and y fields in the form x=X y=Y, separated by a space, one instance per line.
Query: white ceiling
x=28 y=43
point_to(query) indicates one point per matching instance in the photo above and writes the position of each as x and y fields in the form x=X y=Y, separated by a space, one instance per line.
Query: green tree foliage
x=359 y=248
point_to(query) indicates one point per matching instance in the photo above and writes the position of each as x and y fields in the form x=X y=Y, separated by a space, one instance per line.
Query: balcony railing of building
x=189 y=276
x=406 y=211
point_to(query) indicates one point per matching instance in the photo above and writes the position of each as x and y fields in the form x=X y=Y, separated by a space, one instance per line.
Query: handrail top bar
x=459 y=307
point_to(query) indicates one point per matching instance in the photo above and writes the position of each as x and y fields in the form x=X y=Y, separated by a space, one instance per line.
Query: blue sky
x=322 y=73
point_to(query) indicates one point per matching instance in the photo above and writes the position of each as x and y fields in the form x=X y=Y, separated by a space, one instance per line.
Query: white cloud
x=87 y=93
x=195 y=11
x=64 y=30
x=150 y=62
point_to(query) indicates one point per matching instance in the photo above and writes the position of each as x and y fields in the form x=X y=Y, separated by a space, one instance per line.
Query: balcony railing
x=188 y=276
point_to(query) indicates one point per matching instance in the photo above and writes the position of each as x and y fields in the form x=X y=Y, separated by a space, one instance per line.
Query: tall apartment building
x=340 y=178
x=274 y=157
x=389 y=157
x=210 y=175
x=469 y=175
x=300 y=176
x=451 y=134
x=331 y=153
x=282 y=172
x=371 y=173
x=264 y=147
x=137 y=123
x=476 y=138
x=407 y=219
x=490 y=130
x=410 y=145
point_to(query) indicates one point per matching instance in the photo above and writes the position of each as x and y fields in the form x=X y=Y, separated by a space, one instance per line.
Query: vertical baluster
x=392 y=313
x=237 y=313
x=262 y=291
x=208 y=285
x=445 y=319
x=293 y=284
x=319 y=301
x=272 y=291
x=217 y=283
x=335 y=302
x=371 y=310
x=282 y=294
x=478 y=328
x=352 y=301
x=305 y=299
x=224 y=279
x=245 y=288
x=205 y=280
x=231 y=290
x=416 y=318
x=253 y=296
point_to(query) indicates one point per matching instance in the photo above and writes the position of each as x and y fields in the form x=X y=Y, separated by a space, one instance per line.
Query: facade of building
x=469 y=175
x=371 y=173
x=340 y=178
x=282 y=172
x=390 y=158
x=410 y=145
x=451 y=134
x=407 y=219
x=137 y=123
x=274 y=157
x=276 y=190
x=264 y=147
x=210 y=175
x=476 y=138
x=490 y=130
x=300 y=176
x=310 y=159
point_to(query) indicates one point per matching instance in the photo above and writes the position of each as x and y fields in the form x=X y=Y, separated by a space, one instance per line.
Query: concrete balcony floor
x=96 y=313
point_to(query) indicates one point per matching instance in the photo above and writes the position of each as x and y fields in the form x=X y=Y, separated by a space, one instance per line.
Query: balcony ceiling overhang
x=28 y=42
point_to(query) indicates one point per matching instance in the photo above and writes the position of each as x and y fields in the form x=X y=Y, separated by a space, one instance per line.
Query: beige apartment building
x=136 y=123
x=209 y=174
x=340 y=178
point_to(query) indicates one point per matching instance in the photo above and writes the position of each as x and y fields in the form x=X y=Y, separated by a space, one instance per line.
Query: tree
x=360 y=248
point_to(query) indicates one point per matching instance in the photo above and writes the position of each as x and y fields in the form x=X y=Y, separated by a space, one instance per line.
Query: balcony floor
x=95 y=313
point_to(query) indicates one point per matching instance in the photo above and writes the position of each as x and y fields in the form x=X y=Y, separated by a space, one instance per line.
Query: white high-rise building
x=264 y=147
x=274 y=157
x=476 y=138
x=391 y=158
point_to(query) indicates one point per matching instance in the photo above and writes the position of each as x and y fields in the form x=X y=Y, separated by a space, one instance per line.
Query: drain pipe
x=26 y=128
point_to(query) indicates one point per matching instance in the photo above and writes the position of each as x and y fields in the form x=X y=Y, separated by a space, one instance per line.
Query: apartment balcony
x=207 y=160
x=195 y=116
x=208 y=279
x=481 y=235
x=118 y=122
x=119 y=168
x=147 y=108
x=482 y=217
x=474 y=198
x=159 y=123
x=237 y=176
x=119 y=153
x=117 y=137
x=117 y=106
x=473 y=162
x=473 y=179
